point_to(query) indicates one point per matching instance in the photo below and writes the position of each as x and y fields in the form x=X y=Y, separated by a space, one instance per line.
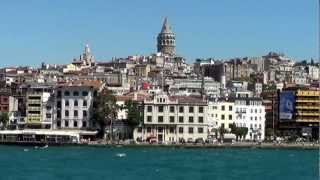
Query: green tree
x=4 y=119
x=269 y=132
x=222 y=131
x=135 y=114
x=243 y=132
x=104 y=111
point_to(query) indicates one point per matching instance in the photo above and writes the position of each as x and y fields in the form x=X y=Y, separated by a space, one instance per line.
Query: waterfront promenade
x=218 y=145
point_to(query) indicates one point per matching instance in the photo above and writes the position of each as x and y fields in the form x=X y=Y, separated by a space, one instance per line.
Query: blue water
x=88 y=163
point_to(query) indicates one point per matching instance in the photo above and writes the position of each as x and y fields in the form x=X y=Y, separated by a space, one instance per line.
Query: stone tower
x=166 y=40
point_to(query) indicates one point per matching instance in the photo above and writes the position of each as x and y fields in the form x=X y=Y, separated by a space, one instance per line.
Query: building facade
x=173 y=119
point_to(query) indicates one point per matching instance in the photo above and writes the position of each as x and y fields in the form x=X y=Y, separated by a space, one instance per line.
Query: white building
x=250 y=113
x=74 y=102
x=173 y=119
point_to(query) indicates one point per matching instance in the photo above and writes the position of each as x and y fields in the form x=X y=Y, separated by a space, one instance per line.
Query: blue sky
x=56 y=31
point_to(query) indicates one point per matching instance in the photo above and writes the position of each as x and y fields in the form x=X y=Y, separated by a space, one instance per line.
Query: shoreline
x=213 y=146
x=179 y=146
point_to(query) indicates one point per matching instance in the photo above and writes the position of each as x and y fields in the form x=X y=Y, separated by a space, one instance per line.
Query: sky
x=55 y=32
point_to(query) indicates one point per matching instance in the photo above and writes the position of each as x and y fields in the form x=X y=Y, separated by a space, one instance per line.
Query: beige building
x=173 y=119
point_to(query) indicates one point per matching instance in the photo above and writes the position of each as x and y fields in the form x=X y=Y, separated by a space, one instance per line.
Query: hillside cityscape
x=160 y=98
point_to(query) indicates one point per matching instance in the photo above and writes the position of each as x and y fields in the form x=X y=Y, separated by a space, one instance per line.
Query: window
x=84 y=103
x=255 y=118
x=75 y=93
x=181 y=109
x=230 y=117
x=255 y=111
x=200 y=119
x=251 y=118
x=59 y=94
x=149 y=118
x=160 y=108
x=84 y=124
x=75 y=124
x=67 y=93
x=66 y=113
x=172 y=109
x=222 y=116
x=190 y=130
x=160 y=119
x=160 y=129
x=180 y=119
x=66 y=123
x=222 y=125
x=48 y=115
x=222 y=108
x=139 y=129
x=191 y=109
x=230 y=108
x=200 y=130
x=58 y=113
x=84 y=113
x=148 y=129
x=259 y=126
x=191 y=119
x=75 y=113
x=201 y=109
x=172 y=119
x=171 y=129
x=58 y=123
x=180 y=130
x=66 y=103
x=75 y=103
x=84 y=93
x=149 y=108
x=58 y=104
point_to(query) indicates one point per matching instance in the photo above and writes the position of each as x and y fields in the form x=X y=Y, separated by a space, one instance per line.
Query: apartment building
x=173 y=119
x=74 y=104
x=39 y=107
x=221 y=113
x=250 y=113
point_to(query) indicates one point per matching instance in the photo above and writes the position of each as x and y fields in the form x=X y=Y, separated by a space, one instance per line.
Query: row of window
x=75 y=124
x=75 y=103
x=75 y=113
x=172 y=119
x=172 y=130
x=74 y=93
x=223 y=108
x=172 y=109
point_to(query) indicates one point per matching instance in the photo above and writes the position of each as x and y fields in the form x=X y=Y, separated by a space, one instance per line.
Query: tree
x=243 y=132
x=4 y=119
x=104 y=111
x=135 y=115
x=222 y=131
x=269 y=132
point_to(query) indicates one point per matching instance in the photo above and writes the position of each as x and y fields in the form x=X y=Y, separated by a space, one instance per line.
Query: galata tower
x=166 y=40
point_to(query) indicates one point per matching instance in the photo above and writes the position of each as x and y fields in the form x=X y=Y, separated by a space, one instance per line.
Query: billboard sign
x=287 y=104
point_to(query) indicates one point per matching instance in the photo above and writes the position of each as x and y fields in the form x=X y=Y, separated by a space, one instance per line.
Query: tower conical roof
x=166 y=27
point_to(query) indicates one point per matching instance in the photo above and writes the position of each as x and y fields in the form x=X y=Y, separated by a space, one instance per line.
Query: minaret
x=166 y=40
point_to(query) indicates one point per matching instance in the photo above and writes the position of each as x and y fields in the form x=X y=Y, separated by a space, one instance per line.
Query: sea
x=156 y=163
